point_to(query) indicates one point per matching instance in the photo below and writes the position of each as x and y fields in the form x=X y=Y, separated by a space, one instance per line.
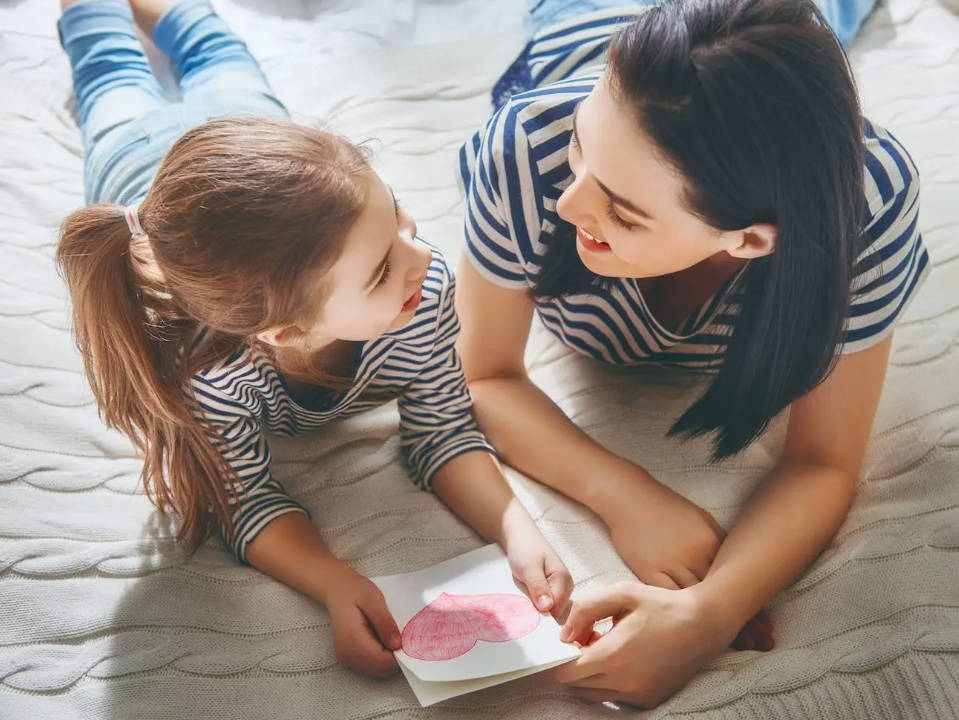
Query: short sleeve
x=490 y=244
x=895 y=262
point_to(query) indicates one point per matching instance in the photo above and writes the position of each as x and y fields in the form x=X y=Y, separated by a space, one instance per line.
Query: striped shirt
x=246 y=396
x=514 y=171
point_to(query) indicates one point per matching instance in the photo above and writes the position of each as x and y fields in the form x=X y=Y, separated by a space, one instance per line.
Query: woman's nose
x=575 y=202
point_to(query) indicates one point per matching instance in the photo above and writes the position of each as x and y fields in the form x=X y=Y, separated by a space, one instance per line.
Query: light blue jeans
x=126 y=120
x=844 y=16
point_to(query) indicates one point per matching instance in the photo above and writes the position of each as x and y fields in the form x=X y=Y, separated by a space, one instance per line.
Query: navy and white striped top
x=245 y=396
x=514 y=171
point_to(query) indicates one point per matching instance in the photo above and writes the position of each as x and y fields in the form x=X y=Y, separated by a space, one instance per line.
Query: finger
x=594 y=696
x=684 y=577
x=595 y=606
x=700 y=568
x=537 y=587
x=383 y=624
x=561 y=587
x=594 y=660
x=661 y=579
x=363 y=651
x=714 y=525
x=587 y=637
x=599 y=681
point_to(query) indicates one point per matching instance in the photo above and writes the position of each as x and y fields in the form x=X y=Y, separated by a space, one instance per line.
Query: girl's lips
x=589 y=242
x=414 y=300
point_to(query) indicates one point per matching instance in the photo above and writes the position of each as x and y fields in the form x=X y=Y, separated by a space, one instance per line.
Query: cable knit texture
x=102 y=616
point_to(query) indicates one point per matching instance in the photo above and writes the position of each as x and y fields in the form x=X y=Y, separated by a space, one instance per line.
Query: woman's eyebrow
x=618 y=199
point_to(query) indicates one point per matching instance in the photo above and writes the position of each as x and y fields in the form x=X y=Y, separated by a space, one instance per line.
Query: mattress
x=102 y=615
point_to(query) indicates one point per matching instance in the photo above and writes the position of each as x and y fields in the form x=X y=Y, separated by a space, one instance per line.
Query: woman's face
x=627 y=203
x=375 y=284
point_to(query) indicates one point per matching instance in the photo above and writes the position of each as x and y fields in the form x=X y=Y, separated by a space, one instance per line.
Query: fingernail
x=544 y=602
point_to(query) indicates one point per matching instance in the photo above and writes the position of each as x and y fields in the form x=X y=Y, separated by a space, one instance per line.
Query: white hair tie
x=132 y=215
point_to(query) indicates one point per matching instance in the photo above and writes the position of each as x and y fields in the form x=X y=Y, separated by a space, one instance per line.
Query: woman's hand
x=658 y=641
x=364 y=632
x=538 y=569
x=665 y=539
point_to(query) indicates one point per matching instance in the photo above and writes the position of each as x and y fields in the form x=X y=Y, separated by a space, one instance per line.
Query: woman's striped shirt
x=514 y=171
x=246 y=396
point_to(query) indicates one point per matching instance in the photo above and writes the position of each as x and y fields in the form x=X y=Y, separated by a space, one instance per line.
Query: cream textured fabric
x=102 y=617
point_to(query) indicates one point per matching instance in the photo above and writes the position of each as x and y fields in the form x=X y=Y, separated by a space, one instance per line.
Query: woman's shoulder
x=537 y=117
x=890 y=172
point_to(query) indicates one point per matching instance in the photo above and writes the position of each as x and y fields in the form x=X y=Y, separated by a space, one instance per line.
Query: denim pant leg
x=112 y=80
x=216 y=70
x=844 y=16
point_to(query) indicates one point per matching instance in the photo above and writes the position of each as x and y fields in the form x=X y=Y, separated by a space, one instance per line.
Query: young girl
x=266 y=280
x=712 y=200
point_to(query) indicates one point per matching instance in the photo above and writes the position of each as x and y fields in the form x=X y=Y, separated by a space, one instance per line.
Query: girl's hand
x=665 y=539
x=658 y=641
x=538 y=569
x=364 y=632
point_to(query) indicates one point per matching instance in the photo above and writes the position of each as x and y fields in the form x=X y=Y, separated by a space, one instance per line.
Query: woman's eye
x=611 y=212
x=385 y=275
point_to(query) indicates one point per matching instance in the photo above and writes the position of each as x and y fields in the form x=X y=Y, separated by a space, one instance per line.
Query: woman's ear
x=753 y=242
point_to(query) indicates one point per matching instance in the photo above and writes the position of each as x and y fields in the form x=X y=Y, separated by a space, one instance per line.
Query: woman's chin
x=605 y=265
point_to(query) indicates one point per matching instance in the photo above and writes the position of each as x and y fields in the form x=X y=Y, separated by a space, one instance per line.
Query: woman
x=713 y=201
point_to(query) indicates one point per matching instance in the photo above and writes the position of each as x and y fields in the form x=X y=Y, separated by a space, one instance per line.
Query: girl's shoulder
x=248 y=364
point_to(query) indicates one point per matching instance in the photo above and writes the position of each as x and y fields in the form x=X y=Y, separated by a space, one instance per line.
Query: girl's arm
x=661 y=640
x=473 y=486
x=447 y=453
x=675 y=547
x=291 y=550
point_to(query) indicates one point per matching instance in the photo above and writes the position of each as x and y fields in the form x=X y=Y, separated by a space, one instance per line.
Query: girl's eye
x=385 y=275
x=611 y=212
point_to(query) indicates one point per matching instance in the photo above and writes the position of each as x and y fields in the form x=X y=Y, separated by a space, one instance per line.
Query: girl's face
x=627 y=202
x=375 y=284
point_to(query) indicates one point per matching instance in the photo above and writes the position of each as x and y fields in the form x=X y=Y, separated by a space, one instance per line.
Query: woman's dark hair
x=754 y=104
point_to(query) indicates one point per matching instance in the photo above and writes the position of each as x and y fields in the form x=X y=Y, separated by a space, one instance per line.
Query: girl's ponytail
x=134 y=342
x=241 y=216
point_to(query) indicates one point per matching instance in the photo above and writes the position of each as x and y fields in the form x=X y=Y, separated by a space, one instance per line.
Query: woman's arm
x=533 y=435
x=661 y=640
x=798 y=509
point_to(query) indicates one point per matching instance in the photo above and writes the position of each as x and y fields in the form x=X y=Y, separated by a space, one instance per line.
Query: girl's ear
x=755 y=241
x=279 y=336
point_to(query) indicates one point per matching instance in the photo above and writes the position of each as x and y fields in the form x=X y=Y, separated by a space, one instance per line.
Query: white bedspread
x=101 y=616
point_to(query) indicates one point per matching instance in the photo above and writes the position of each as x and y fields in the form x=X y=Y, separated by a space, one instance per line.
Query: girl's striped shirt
x=246 y=396
x=514 y=171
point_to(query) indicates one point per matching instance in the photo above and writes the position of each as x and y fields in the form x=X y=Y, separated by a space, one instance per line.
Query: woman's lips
x=589 y=242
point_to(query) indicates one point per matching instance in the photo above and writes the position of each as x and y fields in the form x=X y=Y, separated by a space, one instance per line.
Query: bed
x=102 y=615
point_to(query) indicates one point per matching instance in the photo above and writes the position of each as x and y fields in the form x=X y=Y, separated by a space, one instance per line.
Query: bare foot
x=147 y=12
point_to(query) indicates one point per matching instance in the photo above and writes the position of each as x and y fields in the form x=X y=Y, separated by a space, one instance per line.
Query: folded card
x=466 y=626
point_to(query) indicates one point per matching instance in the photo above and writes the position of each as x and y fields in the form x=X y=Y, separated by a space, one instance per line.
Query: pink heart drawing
x=452 y=624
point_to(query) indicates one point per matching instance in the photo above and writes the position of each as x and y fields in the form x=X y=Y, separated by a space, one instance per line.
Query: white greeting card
x=466 y=626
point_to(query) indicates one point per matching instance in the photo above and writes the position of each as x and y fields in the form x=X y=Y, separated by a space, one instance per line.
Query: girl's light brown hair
x=242 y=218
